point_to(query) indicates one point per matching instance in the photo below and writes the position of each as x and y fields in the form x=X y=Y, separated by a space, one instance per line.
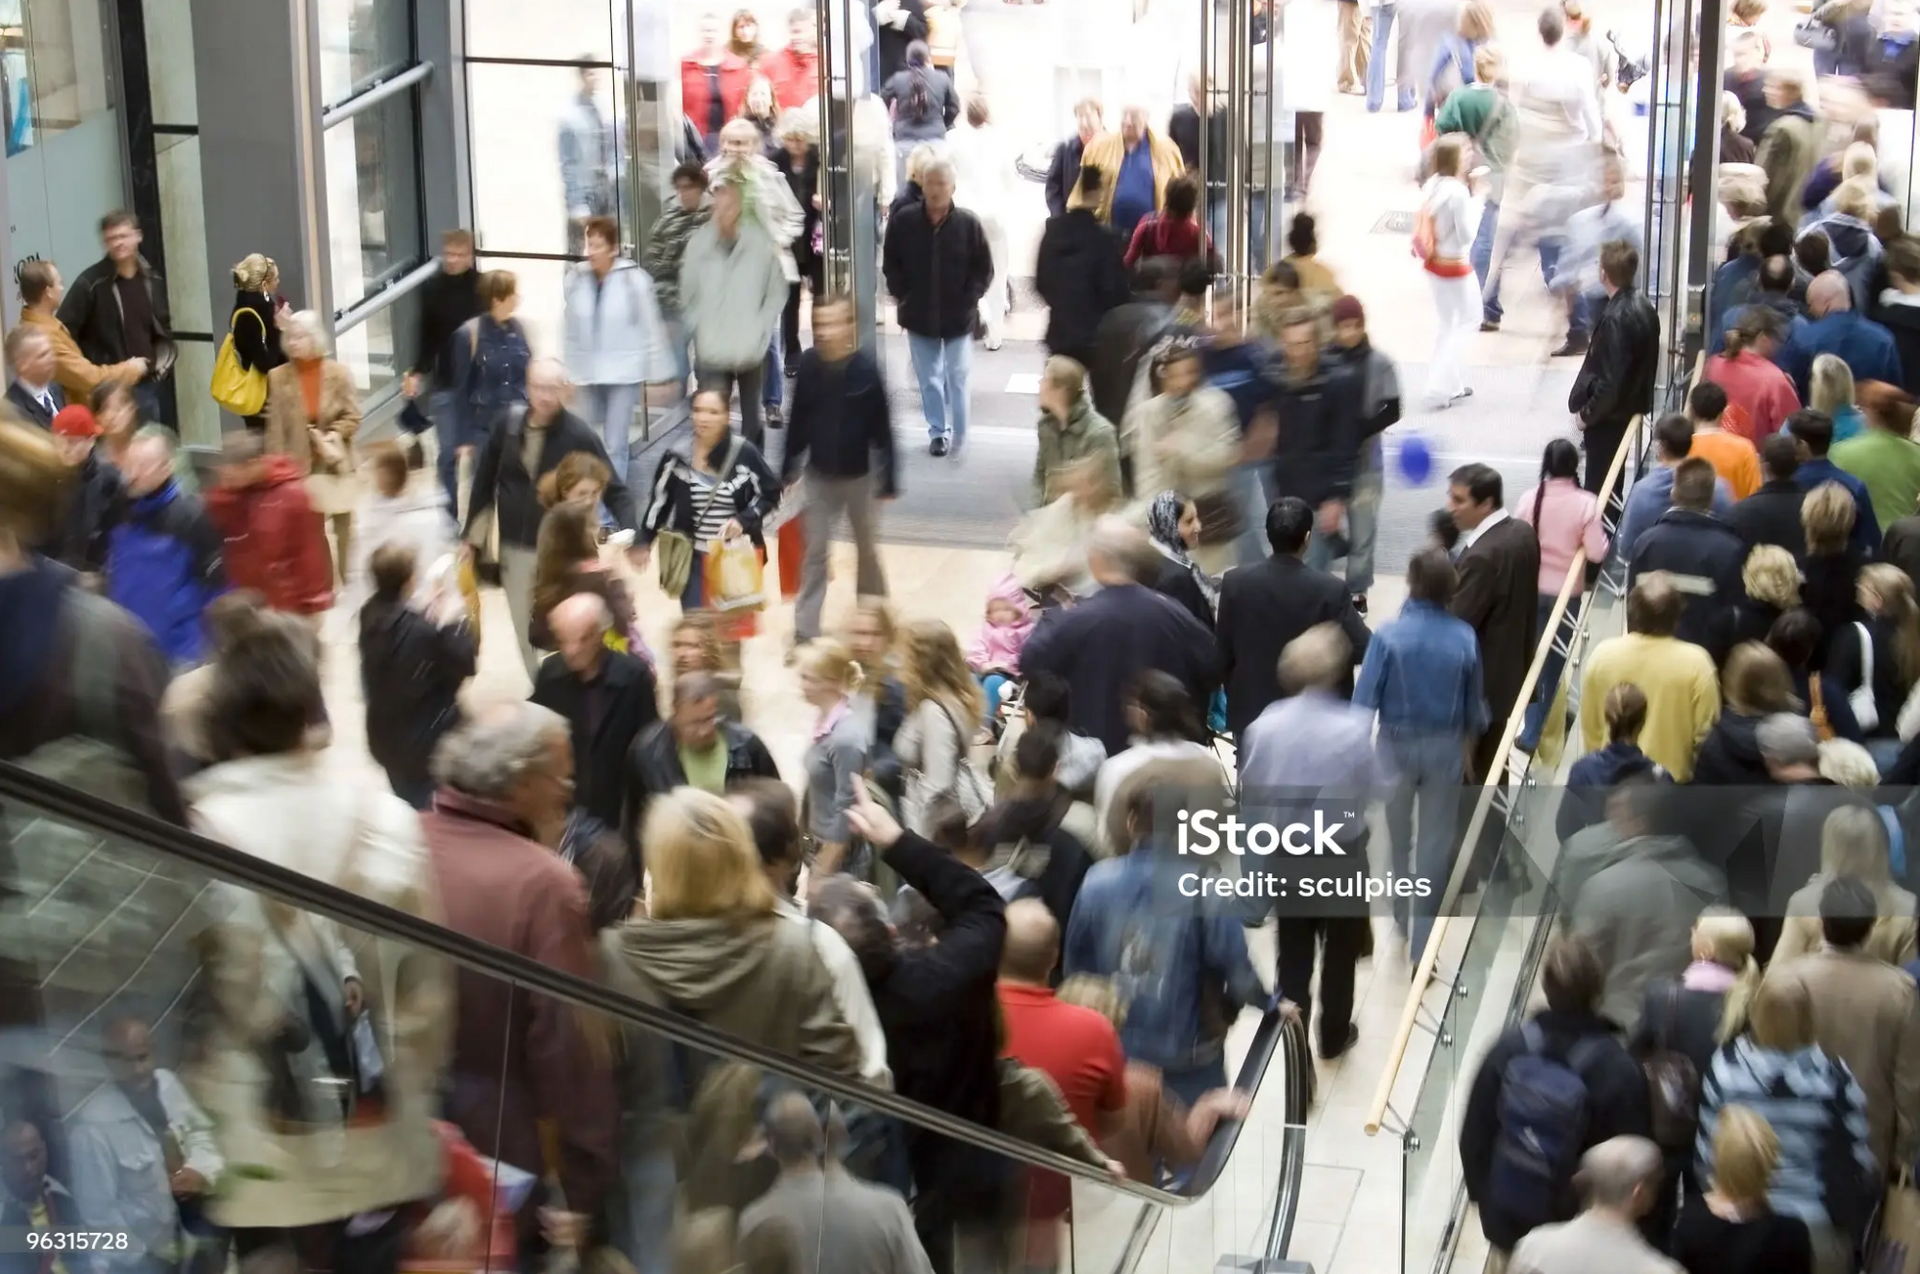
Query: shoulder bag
x=1860 y=698
x=674 y=549
x=240 y=389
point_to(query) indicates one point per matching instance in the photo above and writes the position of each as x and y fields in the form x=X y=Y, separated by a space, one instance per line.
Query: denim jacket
x=119 y=1172
x=489 y=372
x=1162 y=952
x=1422 y=675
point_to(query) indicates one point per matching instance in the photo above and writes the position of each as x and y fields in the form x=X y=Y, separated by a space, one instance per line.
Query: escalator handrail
x=296 y=889
x=1572 y=594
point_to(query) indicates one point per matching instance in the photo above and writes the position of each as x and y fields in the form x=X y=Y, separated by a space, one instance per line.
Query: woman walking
x=1442 y=239
x=313 y=411
x=944 y=707
x=924 y=103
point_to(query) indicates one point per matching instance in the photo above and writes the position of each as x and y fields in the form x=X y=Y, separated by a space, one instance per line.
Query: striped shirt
x=1816 y=1109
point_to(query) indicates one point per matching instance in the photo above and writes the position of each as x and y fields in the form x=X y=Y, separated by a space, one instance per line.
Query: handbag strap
x=1866 y=656
x=719 y=480
x=234 y=318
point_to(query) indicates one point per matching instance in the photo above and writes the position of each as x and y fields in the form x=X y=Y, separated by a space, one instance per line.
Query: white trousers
x=1456 y=304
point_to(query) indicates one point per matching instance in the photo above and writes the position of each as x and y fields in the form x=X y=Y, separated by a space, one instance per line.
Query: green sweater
x=1479 y=111
x=1889 y=465
x=1086 y=433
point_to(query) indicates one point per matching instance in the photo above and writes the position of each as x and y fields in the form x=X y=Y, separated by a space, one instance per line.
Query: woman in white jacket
x=982 y=172
x=1443 y=240
x=615 y=340
x=1185 y=438
x=323 y=1050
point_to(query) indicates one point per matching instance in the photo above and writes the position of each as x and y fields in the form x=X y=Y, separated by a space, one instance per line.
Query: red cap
x=76 y=422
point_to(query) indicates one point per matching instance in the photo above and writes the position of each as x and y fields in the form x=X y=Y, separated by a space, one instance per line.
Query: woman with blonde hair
x=1754 y=685
x=712 y=945
x=1697 y=1012
x=1825 y=1174
x=1830 y=391
x=1733 y=1229
x=1884 y=657
x=1050 y=544
x=313 y=412
x=695 y=647
x=1830 y=571
x=259 y=313
x=1853 y=844
x=836 y=755
x=1771 y=581
x=943 y=713
x=881 y=702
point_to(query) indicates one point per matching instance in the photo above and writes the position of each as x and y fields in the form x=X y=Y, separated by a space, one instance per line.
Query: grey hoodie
x=1635 y=900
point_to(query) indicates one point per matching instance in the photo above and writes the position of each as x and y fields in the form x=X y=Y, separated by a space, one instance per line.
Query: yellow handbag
x=235 y=388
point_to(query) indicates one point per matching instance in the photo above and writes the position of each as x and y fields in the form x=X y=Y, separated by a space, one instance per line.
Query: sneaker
x=1463 y=394
x=1489 y=325
x=774 y=420
x=1329 y=1054
x=1574 y=345
x=939 y=446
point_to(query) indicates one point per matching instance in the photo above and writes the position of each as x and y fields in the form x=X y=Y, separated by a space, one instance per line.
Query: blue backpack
x=1543 y=1116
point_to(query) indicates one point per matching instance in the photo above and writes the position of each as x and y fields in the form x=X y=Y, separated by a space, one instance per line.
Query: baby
x=994 y=656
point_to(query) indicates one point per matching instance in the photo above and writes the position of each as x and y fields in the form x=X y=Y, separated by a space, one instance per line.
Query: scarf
x=1163 y=525
x=830 y=718
x=1705 y=975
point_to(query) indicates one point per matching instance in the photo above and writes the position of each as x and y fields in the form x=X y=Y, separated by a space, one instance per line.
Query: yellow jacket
x=1682 y=689
x=71 y=370
x=1105 y=153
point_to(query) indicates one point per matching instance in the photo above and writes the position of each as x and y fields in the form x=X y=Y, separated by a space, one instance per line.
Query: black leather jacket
x=653 y=767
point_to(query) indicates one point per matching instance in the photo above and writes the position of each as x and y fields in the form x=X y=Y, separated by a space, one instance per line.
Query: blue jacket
x=1649 y=497
x=1862 y=344
x=163 y=567
x=487 y=373
x=1422 y=674
x=1131 y=924
x=1706 y=556
x=1866 y=527
x=613 y=333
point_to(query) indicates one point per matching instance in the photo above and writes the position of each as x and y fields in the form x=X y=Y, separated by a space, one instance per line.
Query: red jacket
x=274 y=543
x=1760 y=396
x=735 y=76
x=795 y=76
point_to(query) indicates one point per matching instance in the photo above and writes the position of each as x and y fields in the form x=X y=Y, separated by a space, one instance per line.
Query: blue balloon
x=1416 y=461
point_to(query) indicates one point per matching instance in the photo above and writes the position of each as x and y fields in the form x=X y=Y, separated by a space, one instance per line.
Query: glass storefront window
x=525 y=199
x=373 y=197
x=567 y=30
x=541 y=298
x=376 y=352
x=359 y=41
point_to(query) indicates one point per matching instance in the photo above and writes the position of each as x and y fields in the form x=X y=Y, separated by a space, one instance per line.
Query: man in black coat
x=117 y=309
x=447 y=300
x=1897 y=308
x=526 y=443
x=719 y=748
x=1317 y=415
x=1063 y=171
x=1771 y=515
x=1080 y=273
x=32 y=392
x=1264 y=607
x=1615 y=383
x=607 y=696
x=1100 y=645
x=1499 y=594
x=1705 y=555
x=411 y=671
x=938 y=266
x=940 y=1011
x=1571 y=1031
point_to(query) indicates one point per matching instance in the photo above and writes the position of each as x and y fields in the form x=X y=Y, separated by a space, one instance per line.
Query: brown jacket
x=287 y=410
x=520 y=1060
x=71 y=370
x=1105 y=153
x=1867 y=1014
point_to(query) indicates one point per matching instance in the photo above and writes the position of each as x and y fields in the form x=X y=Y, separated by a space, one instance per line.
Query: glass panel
x=524 y=198
x=55 y=62
x=358 y=40
x=170 y=64
x=183 y=225
x=568 y=30
x=368 y=349
x=373 y=196
x=541 y=300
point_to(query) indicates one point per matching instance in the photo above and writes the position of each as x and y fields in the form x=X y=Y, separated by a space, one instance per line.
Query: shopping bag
x=734 y=577
x=791 y=547
x=240 y=390
x=1896 y=1242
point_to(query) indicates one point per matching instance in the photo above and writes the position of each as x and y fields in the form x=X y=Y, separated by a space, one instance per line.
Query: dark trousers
x=1603 y=442
x=1299 y=939
x=750 y=381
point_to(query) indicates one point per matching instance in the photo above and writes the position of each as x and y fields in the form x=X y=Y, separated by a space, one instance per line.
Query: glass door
x=856 y=158
x=1672 y=103
x=1243 y=152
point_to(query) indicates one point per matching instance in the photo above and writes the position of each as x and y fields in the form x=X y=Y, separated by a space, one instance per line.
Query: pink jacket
x=1569 y=521
x=997 y=647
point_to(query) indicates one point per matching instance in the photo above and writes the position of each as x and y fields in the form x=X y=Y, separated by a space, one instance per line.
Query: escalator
x=117 y=927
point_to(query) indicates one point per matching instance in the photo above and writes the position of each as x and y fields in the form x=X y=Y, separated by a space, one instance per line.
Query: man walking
x=1499 y=563
x=607 y=698
x=448 y=300
x=1615 y=383
x=732 y=290
x=117 y=310
x=841 y=427
x=938 y=266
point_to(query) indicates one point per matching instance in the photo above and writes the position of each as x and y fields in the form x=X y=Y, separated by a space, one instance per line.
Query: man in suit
x=1099 y=646
x=1499 y=561
x=1265 y=607
x=33 y=393
x=607 y=697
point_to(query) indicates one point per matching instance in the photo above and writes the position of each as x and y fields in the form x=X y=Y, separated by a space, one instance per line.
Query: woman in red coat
x=713 y=83
x=274 y=542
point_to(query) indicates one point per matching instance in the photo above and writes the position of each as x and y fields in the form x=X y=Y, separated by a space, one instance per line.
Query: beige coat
x=1202 y=433
x=287 y=410
x=1893 y=933
x=1105 y=153
x=1588 y=1244
x=1867 y=1014
x=71 y=370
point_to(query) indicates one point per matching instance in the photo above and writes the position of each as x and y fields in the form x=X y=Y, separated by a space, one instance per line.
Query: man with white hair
x=938 y=265
x=1099 y=646
x=505 y=783
x=527 y=443
x=1620 y=1178
x=164 y=557
x=607 y=696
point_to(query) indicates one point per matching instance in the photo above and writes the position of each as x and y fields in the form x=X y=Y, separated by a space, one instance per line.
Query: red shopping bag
x=790 y=545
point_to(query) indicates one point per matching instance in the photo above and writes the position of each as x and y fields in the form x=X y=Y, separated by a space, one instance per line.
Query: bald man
x=1835 y=328
x=1077 y=1048
x=607 y=697
x=165 y=557
x=1621 y=1180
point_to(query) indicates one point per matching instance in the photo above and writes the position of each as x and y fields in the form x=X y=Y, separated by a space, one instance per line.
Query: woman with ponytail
x=1565 y=518
x=923 y=100
x=836 y=755
x=1760 y=396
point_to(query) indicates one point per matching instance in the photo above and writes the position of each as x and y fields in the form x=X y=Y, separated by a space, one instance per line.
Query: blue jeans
x=1363 y=522
x=1250 y=481
x=609 y=409
x=1550 y=671
x=1481 y=254
x=941 y=365
x=990 y=683
x=773 y=391
x=446 y=432
x=146 y=395
x=1428 y=771
x=1377 y=65
x=1586 y=302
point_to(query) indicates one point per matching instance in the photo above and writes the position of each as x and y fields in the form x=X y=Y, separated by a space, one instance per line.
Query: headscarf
x=1163 y=526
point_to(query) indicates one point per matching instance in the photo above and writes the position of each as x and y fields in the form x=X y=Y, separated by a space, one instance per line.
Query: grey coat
x=1635 y=900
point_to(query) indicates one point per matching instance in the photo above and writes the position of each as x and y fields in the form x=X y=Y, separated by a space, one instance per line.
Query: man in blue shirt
x=1652 y=492
x=1422 y=676
x=1813 y=430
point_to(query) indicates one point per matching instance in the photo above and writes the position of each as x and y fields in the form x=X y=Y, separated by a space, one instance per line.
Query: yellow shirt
x=1682 y=689
x=1732 y=457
